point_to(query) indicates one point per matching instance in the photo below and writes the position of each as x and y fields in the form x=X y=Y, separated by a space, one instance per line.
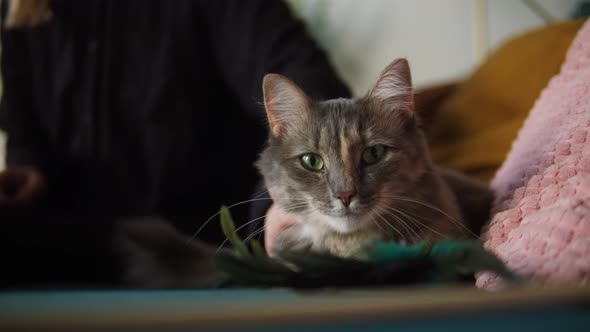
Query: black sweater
x=151 y=107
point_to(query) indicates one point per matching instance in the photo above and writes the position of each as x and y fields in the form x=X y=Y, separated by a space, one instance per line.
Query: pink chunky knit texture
x=541 y=225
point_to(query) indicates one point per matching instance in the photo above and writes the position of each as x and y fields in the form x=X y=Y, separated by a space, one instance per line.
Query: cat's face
x=339 y=161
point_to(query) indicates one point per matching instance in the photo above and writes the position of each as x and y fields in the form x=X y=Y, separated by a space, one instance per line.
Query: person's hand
x=277 y=221
x=20 y=186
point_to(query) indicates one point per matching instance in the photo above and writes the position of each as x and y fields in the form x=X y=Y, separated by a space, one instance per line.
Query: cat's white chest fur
x=341 y=241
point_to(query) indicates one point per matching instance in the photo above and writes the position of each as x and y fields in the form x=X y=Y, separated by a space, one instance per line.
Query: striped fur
x=403 y=197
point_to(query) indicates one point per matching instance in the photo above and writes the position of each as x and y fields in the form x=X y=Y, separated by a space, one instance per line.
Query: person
x=125 y=108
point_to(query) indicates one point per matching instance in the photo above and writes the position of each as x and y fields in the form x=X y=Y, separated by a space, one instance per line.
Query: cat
x=352 y=170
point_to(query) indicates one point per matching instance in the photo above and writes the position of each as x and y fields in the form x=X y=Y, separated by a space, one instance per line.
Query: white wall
x=507 y=17
x=439 y=38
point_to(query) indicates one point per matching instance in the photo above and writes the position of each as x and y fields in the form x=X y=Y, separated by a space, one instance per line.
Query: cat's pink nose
x=345 y=196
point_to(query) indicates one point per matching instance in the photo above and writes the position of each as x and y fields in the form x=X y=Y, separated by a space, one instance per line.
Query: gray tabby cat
x=358 y=169
x=352 y=170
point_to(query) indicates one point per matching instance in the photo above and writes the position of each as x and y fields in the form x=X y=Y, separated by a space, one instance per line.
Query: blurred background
x=447 y=41
x=450 y=38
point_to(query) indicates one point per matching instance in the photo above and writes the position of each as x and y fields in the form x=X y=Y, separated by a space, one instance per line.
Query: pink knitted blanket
x=541 y=226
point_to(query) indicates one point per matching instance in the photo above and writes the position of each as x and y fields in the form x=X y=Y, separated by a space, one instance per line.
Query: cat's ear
x=284 y=102
x=393 y=89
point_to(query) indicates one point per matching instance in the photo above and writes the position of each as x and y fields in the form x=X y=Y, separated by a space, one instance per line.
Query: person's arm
x=256 y=37
x=26 y=152
x=253 y=38
x=17 y=119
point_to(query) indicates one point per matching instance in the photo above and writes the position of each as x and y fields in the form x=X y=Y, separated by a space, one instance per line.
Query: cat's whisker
x=418 y=222
x=457 y=223
x=241 y=227
x=295 y=206
x=390 y=225
x=256 y=232
x=416 y=218
x=377 y=224
x=288 y=209
x=229 y=207
x=284 y=235
x=259 y=236
x=424 y=220
x=259 y=194
x=405 y=225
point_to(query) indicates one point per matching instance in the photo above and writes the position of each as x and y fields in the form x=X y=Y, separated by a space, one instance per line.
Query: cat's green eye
x=312 y=162
x=373 y=154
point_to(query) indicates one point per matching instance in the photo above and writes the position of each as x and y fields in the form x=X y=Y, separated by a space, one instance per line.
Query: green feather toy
x=388 y=263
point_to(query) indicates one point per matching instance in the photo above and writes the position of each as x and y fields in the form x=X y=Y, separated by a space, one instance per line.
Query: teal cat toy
x=387 y=264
